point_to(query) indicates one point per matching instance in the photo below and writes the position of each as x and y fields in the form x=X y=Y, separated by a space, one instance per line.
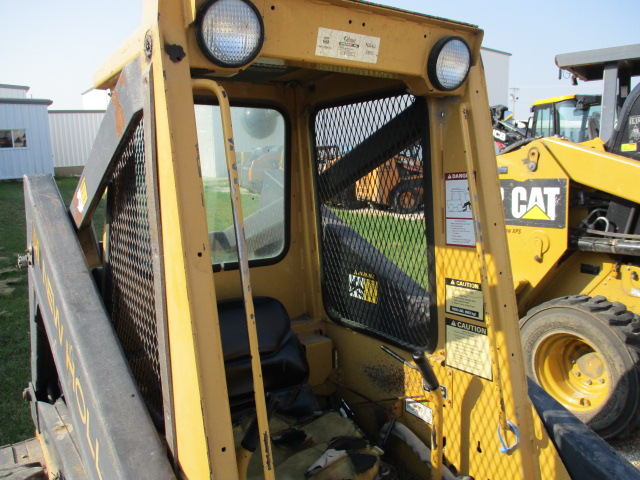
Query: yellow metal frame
x=238 y=225
x=547 y=101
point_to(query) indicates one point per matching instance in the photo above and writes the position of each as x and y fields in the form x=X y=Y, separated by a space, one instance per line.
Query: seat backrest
x=282 y=356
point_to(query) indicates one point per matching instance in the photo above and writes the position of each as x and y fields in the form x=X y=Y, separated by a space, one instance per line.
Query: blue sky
x=55 y=46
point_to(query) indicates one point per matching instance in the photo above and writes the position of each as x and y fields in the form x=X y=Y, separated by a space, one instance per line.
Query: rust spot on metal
x=176 y=52
x=267 y=450
x=388 y=378
x=119 y=115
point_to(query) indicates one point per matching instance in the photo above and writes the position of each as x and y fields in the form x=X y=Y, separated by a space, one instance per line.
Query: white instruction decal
x=346 y=45
x=464 y=298
x=420 y=410
x=459 y=219
x=467 y=348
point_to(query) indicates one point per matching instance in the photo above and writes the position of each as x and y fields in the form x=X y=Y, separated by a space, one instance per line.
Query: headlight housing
x=449 y=63
x=229 y=32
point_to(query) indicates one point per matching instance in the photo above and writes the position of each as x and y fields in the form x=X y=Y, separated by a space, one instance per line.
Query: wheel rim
x=407 y=201
x=573 y=372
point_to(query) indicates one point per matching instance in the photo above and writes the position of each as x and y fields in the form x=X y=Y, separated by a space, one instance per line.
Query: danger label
x=464 y=298
x=535 y=203
x=467 y=348
x=459 y=217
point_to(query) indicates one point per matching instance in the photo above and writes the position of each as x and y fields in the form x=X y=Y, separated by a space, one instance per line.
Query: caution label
x=535 y=203
x=467 y=348
x=464 y=298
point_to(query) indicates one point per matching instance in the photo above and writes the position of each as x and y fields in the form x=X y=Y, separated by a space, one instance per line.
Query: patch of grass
x=15 y=420
x=400 y=238
x=218 y=204
x=219 y=213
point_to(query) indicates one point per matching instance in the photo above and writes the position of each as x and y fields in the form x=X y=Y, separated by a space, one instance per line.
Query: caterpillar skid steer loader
x=572 y=225
x=232 y=331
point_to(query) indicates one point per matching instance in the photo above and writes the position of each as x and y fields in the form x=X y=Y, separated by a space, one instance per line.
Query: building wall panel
x=496 y=69
x=13 y=91
x=35 y=158
x=72 y=136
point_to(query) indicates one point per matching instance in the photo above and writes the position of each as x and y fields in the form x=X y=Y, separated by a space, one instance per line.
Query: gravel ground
x=629 y=447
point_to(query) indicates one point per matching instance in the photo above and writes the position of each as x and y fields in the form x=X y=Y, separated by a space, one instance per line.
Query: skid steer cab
x=231 y=321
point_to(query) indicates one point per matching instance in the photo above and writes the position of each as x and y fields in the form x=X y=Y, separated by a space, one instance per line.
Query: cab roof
x=589 y=64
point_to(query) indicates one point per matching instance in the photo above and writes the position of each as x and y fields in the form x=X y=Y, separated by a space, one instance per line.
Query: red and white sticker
x=459 y=218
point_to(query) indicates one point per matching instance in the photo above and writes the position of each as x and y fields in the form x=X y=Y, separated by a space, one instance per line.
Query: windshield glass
x=574 y=122
x=259 y=138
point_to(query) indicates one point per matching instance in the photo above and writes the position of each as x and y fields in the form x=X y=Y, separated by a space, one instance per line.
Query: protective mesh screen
x=129 y=273
x=374 y=194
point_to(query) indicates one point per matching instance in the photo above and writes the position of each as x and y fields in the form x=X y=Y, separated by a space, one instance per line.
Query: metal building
x=496 y=69
x=72 y=136
x=25 y=145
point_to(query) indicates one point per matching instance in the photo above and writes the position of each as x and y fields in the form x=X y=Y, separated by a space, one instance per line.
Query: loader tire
x=584 y=352
x=406 y=198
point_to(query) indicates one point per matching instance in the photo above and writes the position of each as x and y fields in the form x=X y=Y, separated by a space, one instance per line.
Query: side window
x=259 y=136
x=16 y=138
x=544 y=122
x=374 y=190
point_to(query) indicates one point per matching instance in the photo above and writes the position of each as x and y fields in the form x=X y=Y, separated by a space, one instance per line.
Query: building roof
x=25 y=101
x=15 y=87
x=77 y=111
x=496 y=51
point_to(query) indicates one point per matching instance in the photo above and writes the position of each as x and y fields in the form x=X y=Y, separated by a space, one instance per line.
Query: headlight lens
x=230 y=32
x=449 y=63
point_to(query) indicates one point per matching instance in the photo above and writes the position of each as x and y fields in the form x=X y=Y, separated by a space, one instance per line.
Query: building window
x=16 y=138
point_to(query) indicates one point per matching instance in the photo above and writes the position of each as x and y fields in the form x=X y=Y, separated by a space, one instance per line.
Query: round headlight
x=449 y=63
x=229 y=32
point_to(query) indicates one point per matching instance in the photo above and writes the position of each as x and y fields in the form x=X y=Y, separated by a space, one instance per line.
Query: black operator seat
x=284 y=363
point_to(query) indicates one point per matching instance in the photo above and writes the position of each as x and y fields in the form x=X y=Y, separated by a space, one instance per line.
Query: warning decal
x=459 y=219
x=467 y=348
x=535 y=203
x=346 y=45
x=464 y=298
x=363 y=286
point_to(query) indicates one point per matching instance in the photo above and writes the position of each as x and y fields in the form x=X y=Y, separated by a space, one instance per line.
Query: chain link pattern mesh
x=373 y=190
x=130 y=277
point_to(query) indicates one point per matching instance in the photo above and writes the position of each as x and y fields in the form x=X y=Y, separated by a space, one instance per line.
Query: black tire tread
x=404 y=187
x=625 y=324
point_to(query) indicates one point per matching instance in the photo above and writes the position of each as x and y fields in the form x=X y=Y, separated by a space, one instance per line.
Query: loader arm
x=108 y=421
x=604 y=171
